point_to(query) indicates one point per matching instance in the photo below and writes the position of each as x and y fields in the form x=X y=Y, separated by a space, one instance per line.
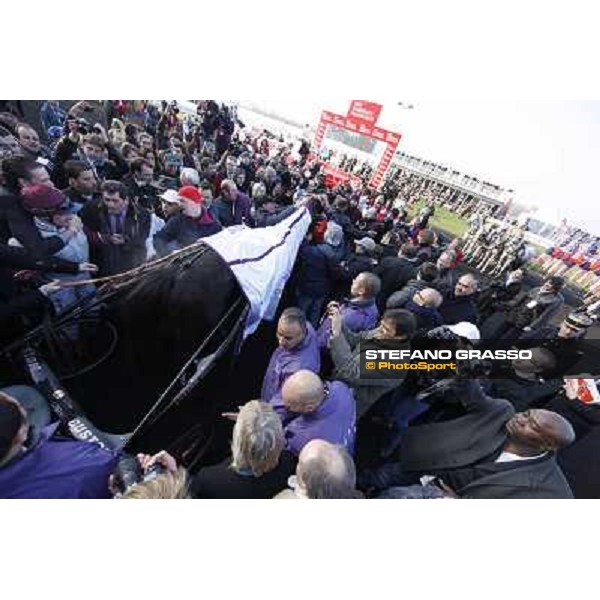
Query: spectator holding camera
x=93 y=147
x=140 y=184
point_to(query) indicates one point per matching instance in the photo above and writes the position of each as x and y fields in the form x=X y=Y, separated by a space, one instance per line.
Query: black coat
x=462 y=441
x=357 y=263
x=523 y=394
x=395 y=272
x=109 y=257
x=537 y=478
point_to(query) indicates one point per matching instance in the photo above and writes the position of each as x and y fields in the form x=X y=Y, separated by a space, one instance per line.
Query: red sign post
x=361 y=118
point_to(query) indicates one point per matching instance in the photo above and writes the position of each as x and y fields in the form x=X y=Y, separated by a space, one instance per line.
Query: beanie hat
x=42 y=200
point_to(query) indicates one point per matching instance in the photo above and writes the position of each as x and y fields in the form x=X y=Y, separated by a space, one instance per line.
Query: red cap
x=189 y=192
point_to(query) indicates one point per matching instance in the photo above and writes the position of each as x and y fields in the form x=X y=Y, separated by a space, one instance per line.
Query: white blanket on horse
x=262 y=260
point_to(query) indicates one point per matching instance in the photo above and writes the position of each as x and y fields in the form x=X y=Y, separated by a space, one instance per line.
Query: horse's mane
x=172 y=308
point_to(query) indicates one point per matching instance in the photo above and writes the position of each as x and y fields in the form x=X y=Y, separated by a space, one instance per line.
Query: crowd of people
x=96 y=200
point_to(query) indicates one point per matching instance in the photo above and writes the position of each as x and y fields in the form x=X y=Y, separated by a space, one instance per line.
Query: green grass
x=443 y=219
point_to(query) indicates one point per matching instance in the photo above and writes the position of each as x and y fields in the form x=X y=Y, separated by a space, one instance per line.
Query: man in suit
x=484 y=449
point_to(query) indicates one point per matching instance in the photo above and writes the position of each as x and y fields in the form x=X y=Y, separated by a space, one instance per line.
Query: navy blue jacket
x=182 y=230
x=455 y=309
x=317 y=269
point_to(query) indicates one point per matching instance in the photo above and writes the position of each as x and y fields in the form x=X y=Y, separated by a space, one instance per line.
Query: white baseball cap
x=466 y=330
x=171 y=196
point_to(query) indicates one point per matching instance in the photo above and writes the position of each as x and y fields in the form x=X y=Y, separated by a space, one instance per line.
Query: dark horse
x=153 y=349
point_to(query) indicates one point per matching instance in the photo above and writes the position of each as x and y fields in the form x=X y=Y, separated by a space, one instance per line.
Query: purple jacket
x=55 y=467
x=233 y=213
x=334 y=421
x=357 y=316
x=284 y=363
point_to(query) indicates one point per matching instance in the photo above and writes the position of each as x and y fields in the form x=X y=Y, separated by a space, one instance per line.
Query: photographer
x=148 y=477
x=92 y=146
x=140 y=184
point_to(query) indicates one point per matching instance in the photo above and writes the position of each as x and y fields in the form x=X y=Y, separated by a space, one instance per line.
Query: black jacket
x=395 y=272
x=536 y=478
x=462 y=441
x=222 y=482
x=109 y=257
x=16 y=222
x=16 y=305
x=578 y=461
x=357 y=263
x=446 y=280
x=401 y=297
x=455 y=309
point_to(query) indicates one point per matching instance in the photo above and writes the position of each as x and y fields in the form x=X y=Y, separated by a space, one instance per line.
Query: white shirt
x=510 y=457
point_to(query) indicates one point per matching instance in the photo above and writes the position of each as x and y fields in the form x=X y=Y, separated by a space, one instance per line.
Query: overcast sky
x=548 y=152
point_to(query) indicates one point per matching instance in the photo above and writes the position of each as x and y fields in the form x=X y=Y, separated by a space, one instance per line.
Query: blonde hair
x=167 y=486
x=258 y=439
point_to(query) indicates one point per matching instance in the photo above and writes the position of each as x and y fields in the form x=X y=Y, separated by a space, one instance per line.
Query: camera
x=129 y=472
x=83 y=125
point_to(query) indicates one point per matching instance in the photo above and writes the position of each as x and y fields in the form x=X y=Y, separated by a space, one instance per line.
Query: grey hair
x=166 y=486
x=294 y=314
x=371 y=282
x=229 y=183
x=258 y=438
x=329 y=475
x=191 y=176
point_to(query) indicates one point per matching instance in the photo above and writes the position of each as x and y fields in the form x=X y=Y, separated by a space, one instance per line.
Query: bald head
x=302 y=392
x=540 y=430
x=428 y=297
x=326 y=471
